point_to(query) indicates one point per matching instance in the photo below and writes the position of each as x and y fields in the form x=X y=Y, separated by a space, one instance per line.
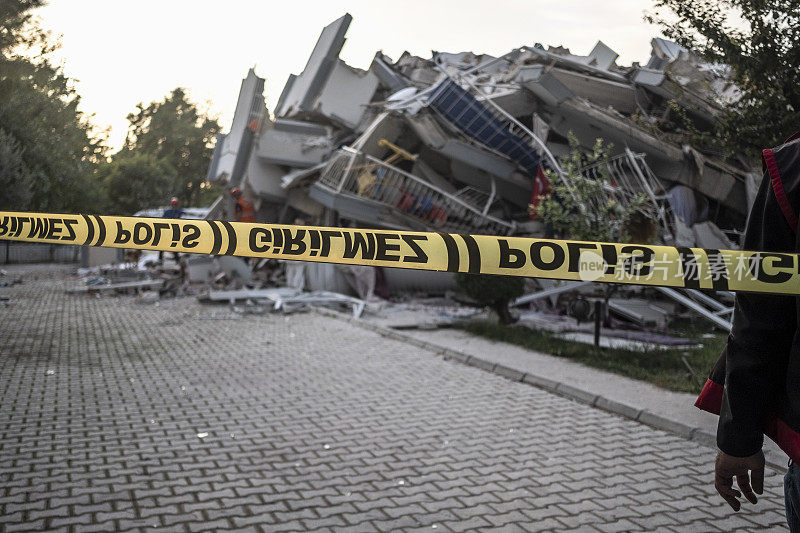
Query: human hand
x=745 y=469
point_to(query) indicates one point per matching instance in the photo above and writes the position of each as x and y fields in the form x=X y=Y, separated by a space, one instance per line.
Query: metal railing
x=217 y=209
x=355 y=174
x=518 y=129
x=30 y=252
x=629 y=176
x=513 y=125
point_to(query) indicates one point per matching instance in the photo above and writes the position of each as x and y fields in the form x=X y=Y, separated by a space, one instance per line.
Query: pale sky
x=123 y=52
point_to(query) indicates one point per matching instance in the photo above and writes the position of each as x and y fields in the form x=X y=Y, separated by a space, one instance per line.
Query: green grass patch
x=664 y=368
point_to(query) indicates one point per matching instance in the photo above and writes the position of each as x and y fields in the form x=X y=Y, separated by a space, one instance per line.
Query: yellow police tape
x=665 y=266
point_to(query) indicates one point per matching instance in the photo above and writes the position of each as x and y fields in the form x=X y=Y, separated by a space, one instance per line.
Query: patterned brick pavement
x=181 y=417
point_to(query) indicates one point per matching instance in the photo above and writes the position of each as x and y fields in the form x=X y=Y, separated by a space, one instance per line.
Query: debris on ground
x=459 y=143
x=284 y=299
x=8 y=282
x=645 y=343
x=127 y=286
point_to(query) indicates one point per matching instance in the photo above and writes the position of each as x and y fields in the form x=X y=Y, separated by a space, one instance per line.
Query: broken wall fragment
x=328 y=88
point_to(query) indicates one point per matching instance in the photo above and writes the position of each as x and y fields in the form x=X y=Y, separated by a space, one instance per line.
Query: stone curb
x=694 y=434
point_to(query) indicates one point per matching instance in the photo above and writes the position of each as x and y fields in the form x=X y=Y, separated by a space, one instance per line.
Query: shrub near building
x=495 y=292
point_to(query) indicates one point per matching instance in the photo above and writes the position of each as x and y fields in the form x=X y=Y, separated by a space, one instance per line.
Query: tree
x=16 y=29
x=492 y=291
x=47 y=147
x=590 y=209
x=760 y=42
x=15 y=179
x=178 y=133
x=587 y=209
x=135 y=181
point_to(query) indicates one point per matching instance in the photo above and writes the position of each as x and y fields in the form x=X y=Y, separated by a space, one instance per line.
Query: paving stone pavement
x=182 y=417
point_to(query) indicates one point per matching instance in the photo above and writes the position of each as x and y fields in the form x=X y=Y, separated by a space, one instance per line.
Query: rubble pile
x=462 y=143
x=457 y=142
x=249 y=287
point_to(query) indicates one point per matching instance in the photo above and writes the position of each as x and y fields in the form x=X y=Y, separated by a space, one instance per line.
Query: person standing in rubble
x=243 y=210
x=754 y=385
x=173 y=211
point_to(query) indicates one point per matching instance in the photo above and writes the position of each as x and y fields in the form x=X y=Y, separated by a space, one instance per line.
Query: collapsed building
x=454 y=142
x=457 y=142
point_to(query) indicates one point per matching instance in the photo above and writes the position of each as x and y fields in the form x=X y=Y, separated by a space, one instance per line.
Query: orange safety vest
x=245 y=211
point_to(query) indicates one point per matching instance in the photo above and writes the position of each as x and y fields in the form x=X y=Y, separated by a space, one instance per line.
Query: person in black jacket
x=755 y=385
x=173 y=211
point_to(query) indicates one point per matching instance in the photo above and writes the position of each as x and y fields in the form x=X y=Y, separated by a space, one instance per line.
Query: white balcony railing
x=629 y=176
x=358 y=175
